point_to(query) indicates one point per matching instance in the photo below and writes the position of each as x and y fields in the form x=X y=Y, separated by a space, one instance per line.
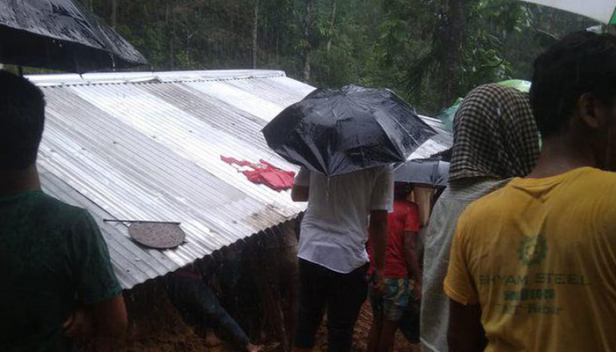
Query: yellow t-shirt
x=539 y=256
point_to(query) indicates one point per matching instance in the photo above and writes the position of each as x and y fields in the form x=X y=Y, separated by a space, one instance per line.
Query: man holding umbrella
x=346 y=140
x=333 y=261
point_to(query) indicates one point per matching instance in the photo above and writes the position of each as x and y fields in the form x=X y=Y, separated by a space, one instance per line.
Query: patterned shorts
x=394 y=301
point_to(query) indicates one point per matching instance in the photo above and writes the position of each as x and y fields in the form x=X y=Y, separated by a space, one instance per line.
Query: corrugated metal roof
x=441 y=141
x=147 y=146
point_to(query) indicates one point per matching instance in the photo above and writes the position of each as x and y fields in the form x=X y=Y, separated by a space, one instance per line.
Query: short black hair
x=22 y=117
x=402 y=190
x=582 y=62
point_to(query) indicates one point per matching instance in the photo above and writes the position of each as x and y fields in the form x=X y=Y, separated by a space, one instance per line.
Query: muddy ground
x=158 y=327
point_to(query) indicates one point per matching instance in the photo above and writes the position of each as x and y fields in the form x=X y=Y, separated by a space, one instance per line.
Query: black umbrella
x=433 y=172
x=60 y=35
x=339 y=131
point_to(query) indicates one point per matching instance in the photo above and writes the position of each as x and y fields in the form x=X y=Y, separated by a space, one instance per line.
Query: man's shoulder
x=60 y=204
x=355 y=178
x=55 y=208
x=593 y=177
x=373 y=171
x=589 y=183
x=494 y=202
x=384 y=169
x=596 y=186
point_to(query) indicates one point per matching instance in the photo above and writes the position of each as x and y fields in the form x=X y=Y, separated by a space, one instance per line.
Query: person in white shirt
x=332 y=249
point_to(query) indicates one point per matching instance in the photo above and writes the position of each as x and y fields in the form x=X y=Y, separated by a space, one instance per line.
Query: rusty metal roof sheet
x=147 y=146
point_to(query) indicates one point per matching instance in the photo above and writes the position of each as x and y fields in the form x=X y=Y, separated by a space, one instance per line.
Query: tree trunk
x=255 y=29
x=307 y=67
x=277 y=48
x=331 y=26
x=114 y=13
x=170 y=35
x=308 y=39
x=453 y=36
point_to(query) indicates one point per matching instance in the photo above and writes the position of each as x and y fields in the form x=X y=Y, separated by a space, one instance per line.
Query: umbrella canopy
x=340 y=131
x=424 y=171
x=60 y=35
x=600 y=10
x=446 y=116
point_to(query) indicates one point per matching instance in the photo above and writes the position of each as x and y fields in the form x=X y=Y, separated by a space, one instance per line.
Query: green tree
x=429 y=51
x=436 y=50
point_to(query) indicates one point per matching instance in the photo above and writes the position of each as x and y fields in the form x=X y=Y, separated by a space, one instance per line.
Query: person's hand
x=79 y=326
x=378 y=282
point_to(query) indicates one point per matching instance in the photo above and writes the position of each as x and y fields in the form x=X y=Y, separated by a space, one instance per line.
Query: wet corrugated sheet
x=147 y=146
x=440 y=142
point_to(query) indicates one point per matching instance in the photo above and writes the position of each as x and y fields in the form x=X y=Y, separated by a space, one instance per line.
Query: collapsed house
x=149 y=146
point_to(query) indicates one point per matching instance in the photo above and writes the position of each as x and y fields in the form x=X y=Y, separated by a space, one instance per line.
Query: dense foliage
x=430 y=51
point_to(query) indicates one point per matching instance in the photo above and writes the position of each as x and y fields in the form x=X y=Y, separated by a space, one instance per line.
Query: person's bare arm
x=110 y=324
x=465 y=333
x=378 y=233
x=96 y=287
x=412 y=259
x=79 y=325
x=300 y=193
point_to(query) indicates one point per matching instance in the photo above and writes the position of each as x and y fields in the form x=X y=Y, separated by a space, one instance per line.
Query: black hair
x=402 y=190
x=22 y=117
x=582 y=62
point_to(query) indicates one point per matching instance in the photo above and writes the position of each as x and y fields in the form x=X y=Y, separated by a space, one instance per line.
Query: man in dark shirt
x=56 y=274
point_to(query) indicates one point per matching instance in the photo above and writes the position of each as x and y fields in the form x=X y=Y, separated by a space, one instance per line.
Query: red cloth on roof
x=264 y=173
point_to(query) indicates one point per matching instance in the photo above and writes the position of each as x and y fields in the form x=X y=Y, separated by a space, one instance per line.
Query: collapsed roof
x=147 y=146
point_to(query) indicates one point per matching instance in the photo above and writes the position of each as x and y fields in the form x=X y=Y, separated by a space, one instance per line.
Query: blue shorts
x=394 y=301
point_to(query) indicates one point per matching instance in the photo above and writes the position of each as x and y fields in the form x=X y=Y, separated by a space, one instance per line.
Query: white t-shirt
x=334 y=230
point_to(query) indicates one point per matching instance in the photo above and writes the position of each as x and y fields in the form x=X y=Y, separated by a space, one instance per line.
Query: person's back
x=495 y=139
x=389 y=305
x=545 y=273
x=447 y=210
x=403 y=219
x=58 y=284
x=332 y=250
x=334 y=229
x=48 y=252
